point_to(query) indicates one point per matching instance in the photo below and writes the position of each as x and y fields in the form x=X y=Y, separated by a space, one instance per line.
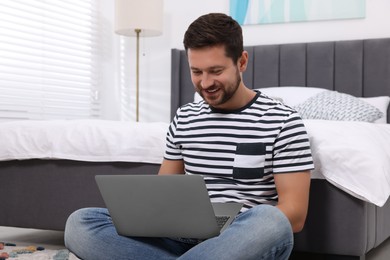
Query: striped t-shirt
x=237 y=152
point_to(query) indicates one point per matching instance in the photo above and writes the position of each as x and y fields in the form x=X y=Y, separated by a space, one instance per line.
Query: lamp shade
x=146 y=15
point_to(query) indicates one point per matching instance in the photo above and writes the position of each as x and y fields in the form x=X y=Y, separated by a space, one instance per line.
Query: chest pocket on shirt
x=249 y=161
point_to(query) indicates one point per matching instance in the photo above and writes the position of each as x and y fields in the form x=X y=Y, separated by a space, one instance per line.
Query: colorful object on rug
x=10 y=251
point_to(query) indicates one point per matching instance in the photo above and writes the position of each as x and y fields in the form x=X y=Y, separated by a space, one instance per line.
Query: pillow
x=382 y=103
x=332 y=105
x=294 y=95
x=291 y=95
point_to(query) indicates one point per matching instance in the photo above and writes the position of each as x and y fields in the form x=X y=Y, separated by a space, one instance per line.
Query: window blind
x=126 y=85
x=48 y=59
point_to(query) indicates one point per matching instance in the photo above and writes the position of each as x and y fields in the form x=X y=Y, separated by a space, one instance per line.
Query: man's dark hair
x=215 y=29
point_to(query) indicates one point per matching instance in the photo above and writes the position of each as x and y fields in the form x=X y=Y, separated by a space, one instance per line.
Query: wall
x=155 y=68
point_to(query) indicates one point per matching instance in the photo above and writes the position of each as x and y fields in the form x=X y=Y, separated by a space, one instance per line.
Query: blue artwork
x=281 y=11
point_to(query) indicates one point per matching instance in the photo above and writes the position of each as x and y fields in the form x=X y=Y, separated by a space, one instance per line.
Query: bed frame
x=42 y=193
x=338 y=225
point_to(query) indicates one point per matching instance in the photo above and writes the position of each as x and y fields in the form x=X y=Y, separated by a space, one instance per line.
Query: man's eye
x=195 y=72
x=216 y=72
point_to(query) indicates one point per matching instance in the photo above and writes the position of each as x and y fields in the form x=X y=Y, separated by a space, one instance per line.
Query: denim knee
x=269 y=228
x=273 y=219
x=72 y=225
x=82 y=220
x=76 y=217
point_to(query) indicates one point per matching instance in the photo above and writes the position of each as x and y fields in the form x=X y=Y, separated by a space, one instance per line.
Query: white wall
x=155 y=67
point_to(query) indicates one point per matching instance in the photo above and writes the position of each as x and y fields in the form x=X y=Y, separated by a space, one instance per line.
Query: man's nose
x=206 y=81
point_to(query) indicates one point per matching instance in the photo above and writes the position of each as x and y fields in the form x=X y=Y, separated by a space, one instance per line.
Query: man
x=248 y=147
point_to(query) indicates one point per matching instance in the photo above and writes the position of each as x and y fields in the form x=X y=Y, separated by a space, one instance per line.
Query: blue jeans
x=262 y=232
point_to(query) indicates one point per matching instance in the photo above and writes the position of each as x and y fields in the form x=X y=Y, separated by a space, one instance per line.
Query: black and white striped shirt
x=237 y=152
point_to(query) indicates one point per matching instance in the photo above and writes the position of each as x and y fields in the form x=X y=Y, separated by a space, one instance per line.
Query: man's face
x=215 y=77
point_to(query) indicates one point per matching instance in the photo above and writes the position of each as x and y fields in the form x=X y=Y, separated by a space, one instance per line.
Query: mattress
x=83 y=140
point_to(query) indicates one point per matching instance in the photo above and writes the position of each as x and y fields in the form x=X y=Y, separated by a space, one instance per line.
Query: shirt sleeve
x=172 y=150
x=292 y=151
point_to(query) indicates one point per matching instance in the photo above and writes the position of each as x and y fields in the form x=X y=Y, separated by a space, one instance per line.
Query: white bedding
x=83 y=140
x=354 y=156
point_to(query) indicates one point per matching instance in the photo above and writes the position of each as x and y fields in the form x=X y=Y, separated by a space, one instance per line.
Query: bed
x=47 y=179
x=344 y=222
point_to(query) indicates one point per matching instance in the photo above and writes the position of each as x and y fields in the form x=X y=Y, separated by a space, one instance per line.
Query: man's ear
x=243 y=61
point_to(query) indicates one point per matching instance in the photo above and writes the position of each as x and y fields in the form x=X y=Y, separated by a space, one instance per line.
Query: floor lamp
x=139 y=18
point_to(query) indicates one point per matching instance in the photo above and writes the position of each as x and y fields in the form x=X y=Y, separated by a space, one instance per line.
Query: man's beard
x=227 y=91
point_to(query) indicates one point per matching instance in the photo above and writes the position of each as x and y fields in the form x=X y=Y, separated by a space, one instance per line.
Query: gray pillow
x=332 y=105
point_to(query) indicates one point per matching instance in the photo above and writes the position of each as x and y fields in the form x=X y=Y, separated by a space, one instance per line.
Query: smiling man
x=217 y=79
x=248 y=148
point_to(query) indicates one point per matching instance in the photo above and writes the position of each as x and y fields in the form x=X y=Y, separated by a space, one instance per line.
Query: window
x=49 y=59
x=126 y=74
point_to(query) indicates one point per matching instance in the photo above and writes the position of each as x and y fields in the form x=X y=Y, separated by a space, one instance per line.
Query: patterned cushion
x=332 y=105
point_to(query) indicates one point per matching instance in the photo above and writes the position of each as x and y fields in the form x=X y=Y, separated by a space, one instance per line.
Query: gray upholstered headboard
x=357 y=67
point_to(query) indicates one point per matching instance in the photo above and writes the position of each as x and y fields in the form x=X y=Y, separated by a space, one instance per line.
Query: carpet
x=34 y=253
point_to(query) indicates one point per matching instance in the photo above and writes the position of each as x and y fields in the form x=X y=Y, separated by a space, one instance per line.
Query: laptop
x=164 y=206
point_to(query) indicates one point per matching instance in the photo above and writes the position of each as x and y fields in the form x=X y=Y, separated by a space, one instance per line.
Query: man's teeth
x=212 y=90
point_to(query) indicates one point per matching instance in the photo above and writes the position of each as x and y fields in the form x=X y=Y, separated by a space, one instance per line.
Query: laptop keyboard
x=221 y=220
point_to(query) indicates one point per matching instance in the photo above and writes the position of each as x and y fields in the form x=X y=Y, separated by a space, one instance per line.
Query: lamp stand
x=137 y=31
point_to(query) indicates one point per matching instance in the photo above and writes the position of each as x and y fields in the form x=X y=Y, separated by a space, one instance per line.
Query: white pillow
x=382 y=103
x=291 y=95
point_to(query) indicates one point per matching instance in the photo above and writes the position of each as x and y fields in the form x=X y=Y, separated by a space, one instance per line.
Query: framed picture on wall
x=282 y=11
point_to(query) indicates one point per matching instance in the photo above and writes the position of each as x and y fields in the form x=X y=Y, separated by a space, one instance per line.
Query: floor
x=27 y=237
x=55 y=240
